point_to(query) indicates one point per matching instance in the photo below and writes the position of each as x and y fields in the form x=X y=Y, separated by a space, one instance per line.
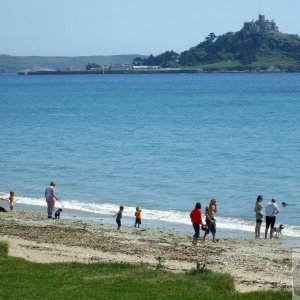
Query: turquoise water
x=159 y=141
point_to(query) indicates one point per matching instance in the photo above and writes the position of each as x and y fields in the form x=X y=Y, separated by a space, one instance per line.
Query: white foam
x=171 y=216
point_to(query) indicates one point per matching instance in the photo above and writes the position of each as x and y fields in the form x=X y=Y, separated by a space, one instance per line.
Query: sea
x=158 y=141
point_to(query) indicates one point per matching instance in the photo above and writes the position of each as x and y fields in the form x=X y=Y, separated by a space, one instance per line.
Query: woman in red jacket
x=196 y=219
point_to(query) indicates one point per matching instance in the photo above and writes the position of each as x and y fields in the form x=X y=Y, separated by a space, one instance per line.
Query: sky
x=112 y=27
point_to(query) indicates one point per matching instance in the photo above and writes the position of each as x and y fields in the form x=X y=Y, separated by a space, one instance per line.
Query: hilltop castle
x=261 y=25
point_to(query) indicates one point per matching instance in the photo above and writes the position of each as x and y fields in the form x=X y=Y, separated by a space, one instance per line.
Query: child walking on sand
x=138 y=217
x=119 y=216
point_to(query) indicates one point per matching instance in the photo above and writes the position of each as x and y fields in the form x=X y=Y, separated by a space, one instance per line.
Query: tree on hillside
x=137 y=61
x=166 y=59
x=91 y=66
x=211 y=37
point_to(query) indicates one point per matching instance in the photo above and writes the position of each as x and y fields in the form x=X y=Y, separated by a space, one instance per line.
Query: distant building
x=74 y=68
x=261 y=25
x=146 y=67
x=120 y=67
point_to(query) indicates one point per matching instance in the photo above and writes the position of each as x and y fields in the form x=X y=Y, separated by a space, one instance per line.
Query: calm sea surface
x=162 y=142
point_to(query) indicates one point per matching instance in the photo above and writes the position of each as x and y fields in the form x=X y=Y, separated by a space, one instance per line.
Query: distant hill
x=258 y=46
x=17 y=63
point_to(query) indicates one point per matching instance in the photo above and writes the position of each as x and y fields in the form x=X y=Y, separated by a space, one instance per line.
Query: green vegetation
x=21 y=279
x=167 y=59
x=91 y=66
x=242 y=50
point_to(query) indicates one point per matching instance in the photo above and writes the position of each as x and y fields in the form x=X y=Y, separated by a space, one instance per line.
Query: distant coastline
x=107 y=71
x=259 y=47
x=156 y=71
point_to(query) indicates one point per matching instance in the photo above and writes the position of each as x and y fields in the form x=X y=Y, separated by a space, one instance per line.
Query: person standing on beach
x=271 y=211
x=119 y=216
x=210 y=220
x=138 y=217
x=196 y=219
x=11 y=200
x=50 y=199
x=259 y=215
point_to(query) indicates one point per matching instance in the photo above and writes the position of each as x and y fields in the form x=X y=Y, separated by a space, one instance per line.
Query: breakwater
x=108 y=71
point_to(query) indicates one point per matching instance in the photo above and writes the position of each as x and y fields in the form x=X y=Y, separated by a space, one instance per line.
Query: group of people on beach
x=210 y=221
x=272 y=211
x=51 y=197
x=137 y=214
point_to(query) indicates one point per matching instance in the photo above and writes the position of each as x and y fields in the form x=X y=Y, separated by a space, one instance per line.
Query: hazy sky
x=107 y=27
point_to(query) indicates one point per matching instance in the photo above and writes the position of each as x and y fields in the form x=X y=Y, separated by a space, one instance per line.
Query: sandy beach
x=255 y=264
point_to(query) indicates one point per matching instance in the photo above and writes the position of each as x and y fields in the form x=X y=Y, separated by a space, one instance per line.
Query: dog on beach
x=278 y=230
x=2 y=209
x=57 y=213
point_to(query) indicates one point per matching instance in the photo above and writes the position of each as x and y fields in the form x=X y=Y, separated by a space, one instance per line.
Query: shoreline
x=251 y=262
x=75 y=214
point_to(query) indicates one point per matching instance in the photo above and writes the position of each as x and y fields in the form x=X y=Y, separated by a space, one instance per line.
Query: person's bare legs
x=266 y=233
x=271 y=233
x=258 y=229
x=214 y=237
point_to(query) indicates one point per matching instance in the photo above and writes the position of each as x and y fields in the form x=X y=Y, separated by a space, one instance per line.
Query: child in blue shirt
x=119 y=216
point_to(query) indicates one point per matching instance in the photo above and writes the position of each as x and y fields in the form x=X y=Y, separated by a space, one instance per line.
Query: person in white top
x=50 y=198
x=271 y=211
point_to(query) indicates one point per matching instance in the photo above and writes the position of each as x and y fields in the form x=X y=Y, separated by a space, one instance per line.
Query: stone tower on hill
x=261 y=25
